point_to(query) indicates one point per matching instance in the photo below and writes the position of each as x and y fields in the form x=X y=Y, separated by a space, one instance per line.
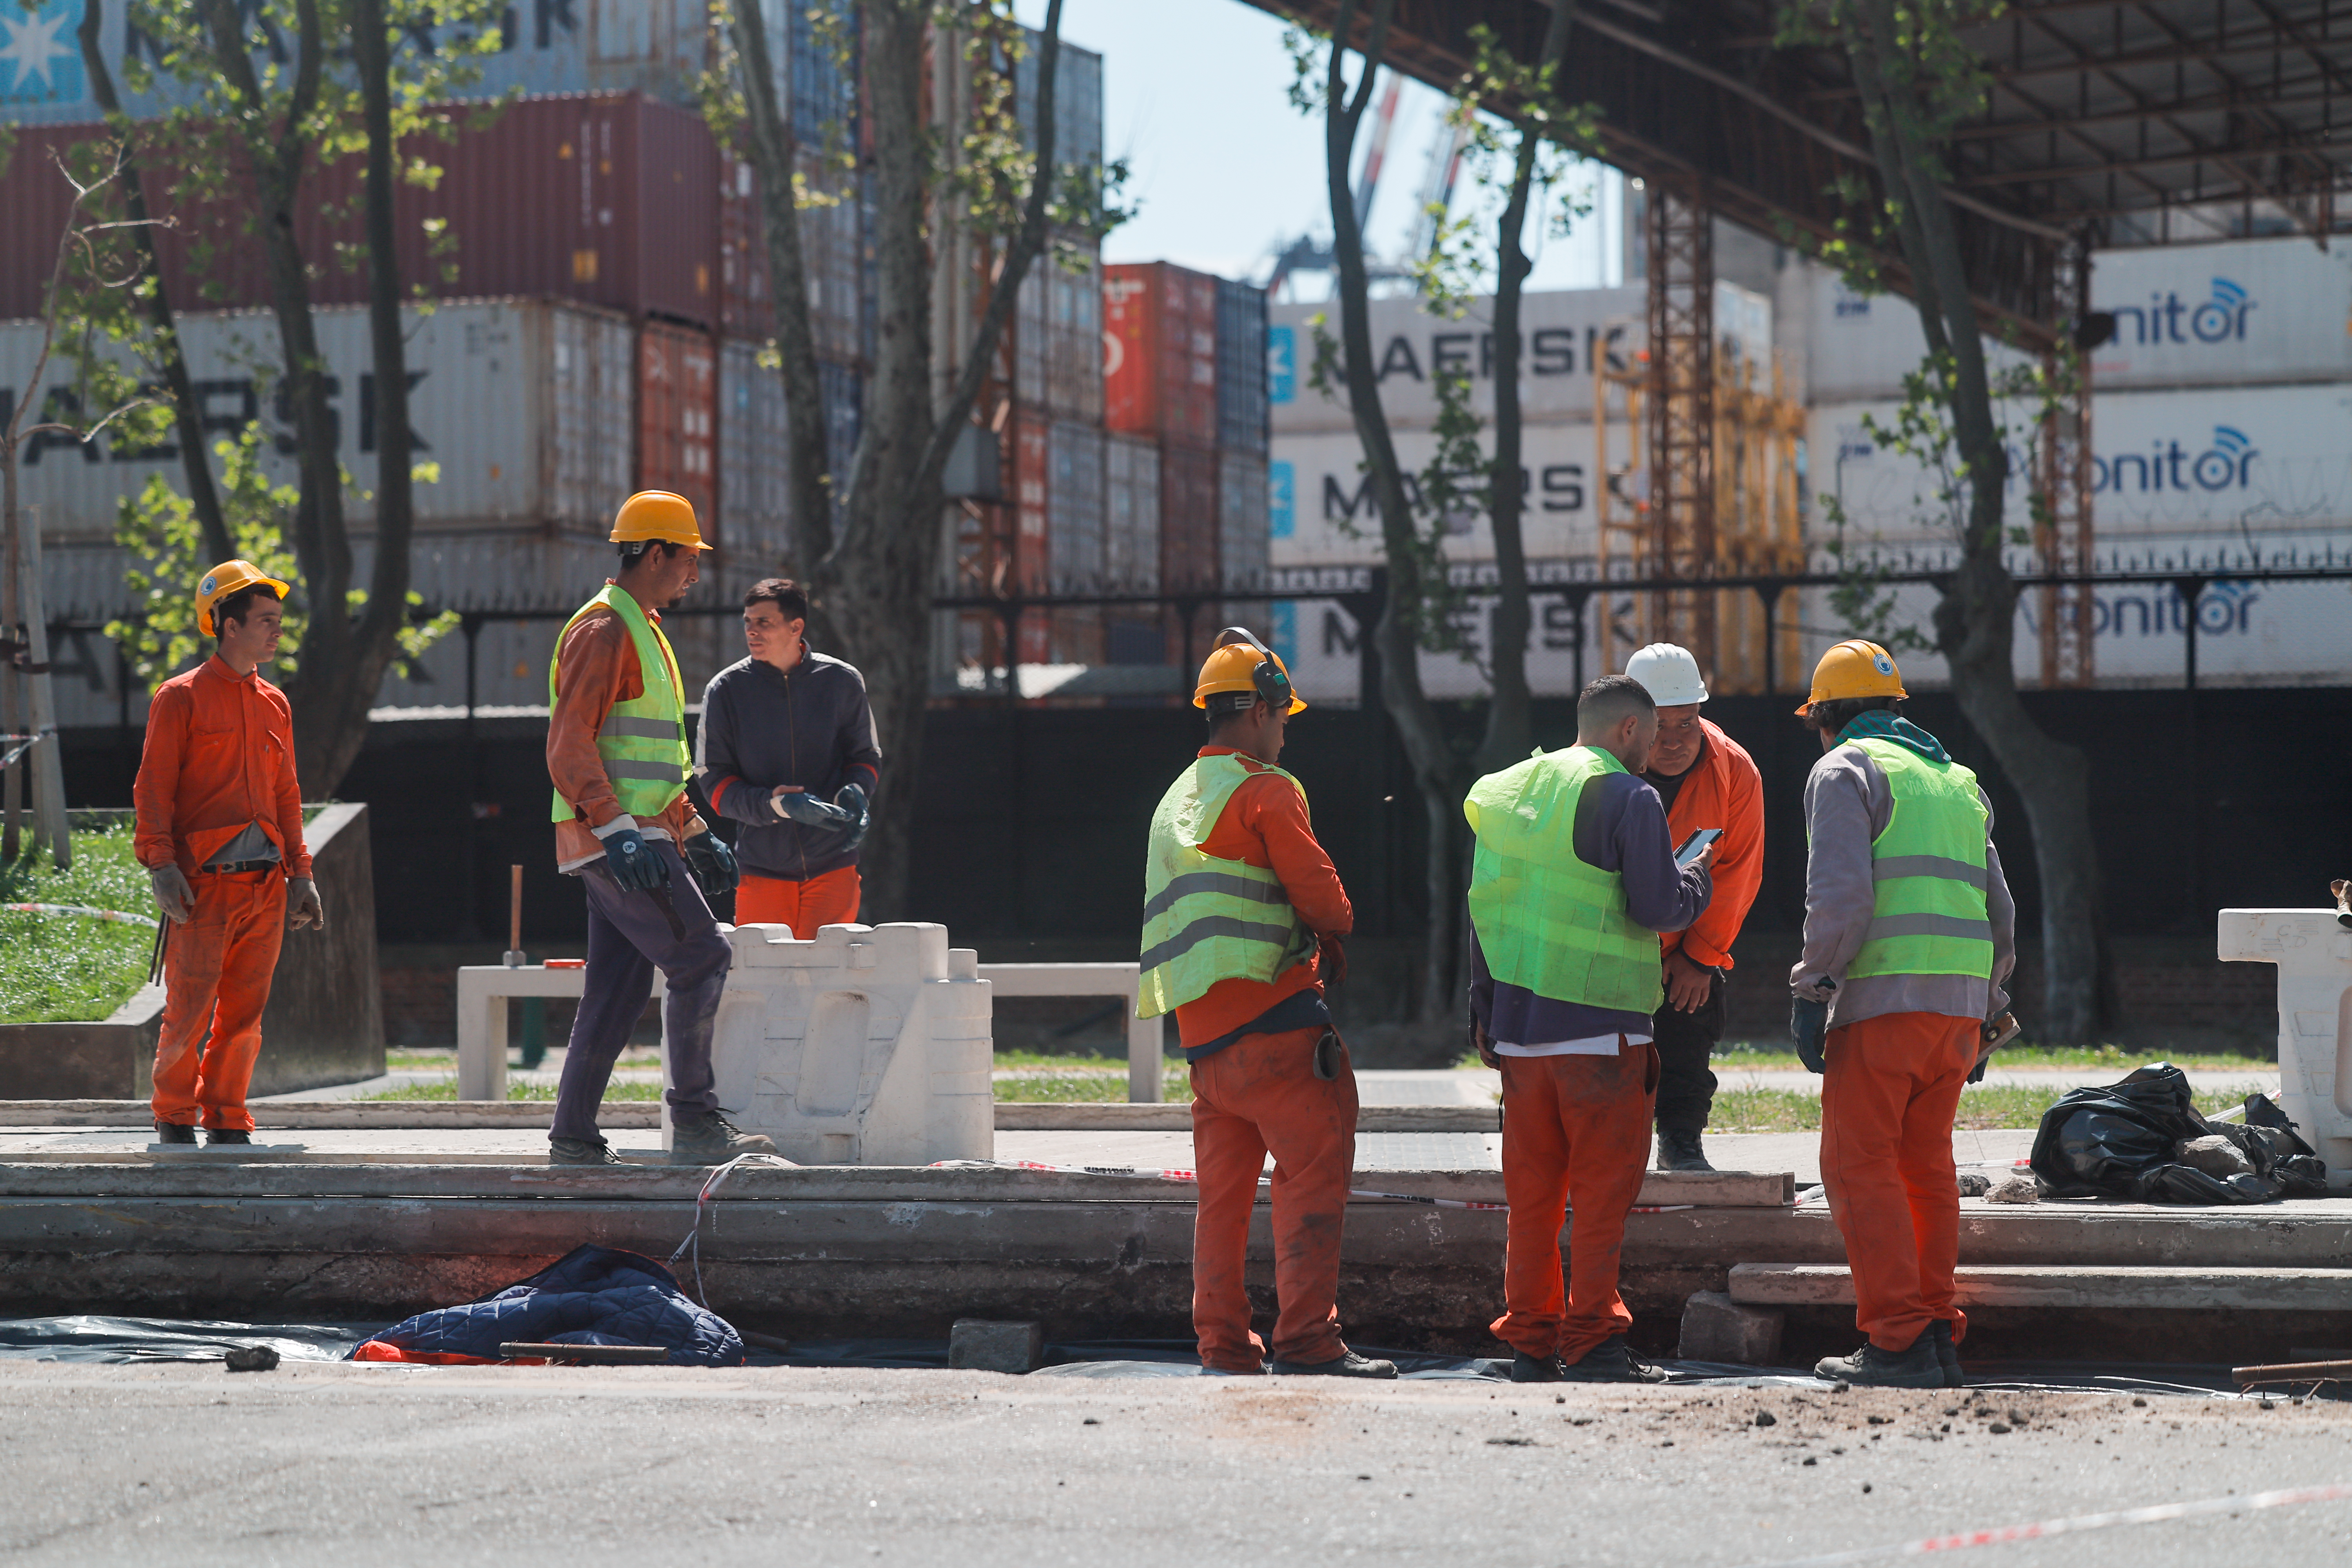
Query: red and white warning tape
x=2161 y=1512
x=1194 y=1176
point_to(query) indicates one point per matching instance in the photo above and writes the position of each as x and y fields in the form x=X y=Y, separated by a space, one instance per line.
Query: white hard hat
x=1669 y=674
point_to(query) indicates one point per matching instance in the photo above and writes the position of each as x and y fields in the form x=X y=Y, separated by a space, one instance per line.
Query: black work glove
x=809 y=811
x=1809 y=1026
x=851 y=798
x=635 y=863
x=713 y=865
x=1334 y=966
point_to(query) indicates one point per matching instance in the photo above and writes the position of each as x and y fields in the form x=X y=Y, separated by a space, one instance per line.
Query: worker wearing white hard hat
x=1707 y=780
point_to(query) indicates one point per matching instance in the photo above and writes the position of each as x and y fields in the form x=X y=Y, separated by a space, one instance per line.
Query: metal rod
x=2292 y=1372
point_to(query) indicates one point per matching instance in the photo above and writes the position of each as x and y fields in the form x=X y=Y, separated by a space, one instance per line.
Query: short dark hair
x=239 y=605
x=789 y=597
x=1609 y=700
x=1834 y=714
x=1224 y=706
x=633 y=548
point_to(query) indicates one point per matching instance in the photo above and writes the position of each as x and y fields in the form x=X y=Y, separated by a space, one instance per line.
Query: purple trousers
x=629 y=936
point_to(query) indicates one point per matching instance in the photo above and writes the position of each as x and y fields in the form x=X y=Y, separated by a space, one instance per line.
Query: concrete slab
x=2072 y=1286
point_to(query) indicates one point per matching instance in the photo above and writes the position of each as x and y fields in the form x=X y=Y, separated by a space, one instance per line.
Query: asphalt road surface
x=351 y=1467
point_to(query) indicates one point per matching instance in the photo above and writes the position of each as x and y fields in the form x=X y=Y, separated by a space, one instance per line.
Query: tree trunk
x=1436 y=772
x=1510 y=727
x=771 y=147
x=1976 y=617
x=187 y=419
x=878 y=579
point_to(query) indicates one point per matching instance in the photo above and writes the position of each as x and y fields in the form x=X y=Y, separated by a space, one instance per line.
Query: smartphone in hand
x=1696 y=845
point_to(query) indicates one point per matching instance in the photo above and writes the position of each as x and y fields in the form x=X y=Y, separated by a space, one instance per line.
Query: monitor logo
x=2227 y=464
x=2168 y=318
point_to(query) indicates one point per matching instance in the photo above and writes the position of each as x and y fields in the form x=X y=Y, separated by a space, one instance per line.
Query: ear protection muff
x=1268 y=678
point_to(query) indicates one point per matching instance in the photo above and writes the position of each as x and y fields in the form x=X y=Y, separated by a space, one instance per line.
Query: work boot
x=1947 y=1354
x=713 y=1140
x=215 y=1136
x=1678 y=1150
x=1526 y=1368
x=1871 y=1367
x=1611 y=1361
x=174 y=1132
x=580 y=1151
x=1347 y=1364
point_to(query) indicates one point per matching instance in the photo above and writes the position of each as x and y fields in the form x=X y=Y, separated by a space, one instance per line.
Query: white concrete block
x=2312 y=952
x=869 y=1046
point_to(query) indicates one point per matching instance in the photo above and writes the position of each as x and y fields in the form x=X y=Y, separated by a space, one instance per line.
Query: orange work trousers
x=828 y=900
x=216 y=973
x=1260 y=1096
x=1892 y=1088
x=1576 y=1132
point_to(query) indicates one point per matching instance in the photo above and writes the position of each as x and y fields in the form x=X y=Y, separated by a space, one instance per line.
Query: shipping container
x=1242 y=520
x=754 y=467
x=610 y=201
x=833 y=257
x=1075 y=509
x=525 y=408
x=1560 y=333
x=1321 y=511
x=1077 y=100
x=678 y=419
x=1131 y=515
x=1188 y=516
x=1160 y=352
x=2244 y=313
x=1033 y=468
x=1241 y=367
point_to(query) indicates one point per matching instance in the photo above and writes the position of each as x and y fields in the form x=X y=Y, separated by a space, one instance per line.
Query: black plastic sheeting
x=2124 y=1141
x=133 y=1341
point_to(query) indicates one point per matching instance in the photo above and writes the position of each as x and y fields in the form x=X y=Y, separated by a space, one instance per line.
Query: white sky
x=1225 y=170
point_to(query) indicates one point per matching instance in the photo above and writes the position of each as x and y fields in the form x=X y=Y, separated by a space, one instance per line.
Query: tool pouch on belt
x=1330 y=1052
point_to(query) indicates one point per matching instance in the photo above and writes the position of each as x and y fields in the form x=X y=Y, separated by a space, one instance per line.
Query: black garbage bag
x=2124 y=1141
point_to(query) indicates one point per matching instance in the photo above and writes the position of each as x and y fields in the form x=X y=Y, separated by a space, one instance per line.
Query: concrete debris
x=1975 y=1183
x=1715 y=1327
x=979 y=1346
x=2216 y=1156
x=252 y=1358
x=2016 y=1190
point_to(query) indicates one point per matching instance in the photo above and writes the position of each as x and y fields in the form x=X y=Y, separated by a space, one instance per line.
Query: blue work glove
x=811 y=811
x=713 y=864
x=851 y=798
x=1809 y=1024
x=635 y=863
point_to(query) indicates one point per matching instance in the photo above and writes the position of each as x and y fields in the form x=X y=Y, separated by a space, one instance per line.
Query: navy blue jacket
x=761 y=728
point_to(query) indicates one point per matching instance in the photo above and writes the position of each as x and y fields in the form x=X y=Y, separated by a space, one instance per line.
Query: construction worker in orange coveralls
x=220 y=833
x=1243 y=920
x=1910 y=935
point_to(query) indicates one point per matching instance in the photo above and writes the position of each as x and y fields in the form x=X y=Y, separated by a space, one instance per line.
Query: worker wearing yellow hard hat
x=616 y=753
x=1243 y=918
x=1910 y=935
x=220 y=834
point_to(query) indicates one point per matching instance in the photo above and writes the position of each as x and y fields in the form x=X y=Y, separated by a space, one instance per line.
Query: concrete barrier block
x=1717 y=1328
x=979 y=1345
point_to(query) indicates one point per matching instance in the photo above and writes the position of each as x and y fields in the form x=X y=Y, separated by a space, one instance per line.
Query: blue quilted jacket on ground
x=590 y=1296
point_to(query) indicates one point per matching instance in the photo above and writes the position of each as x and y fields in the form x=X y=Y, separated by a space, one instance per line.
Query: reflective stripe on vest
x=1207 y=920
x=1928 y=871
x=641 y=740
x=1546 y=921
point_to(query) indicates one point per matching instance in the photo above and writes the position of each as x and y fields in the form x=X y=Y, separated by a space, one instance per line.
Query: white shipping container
x=527 y=408
x=754 y=467
x=1863 y=345
x=1075 y=514
x=1321 y=512
x=1242 y=521
x=1321 y=643
x=1131 y=513
x=2245 y=312
x=1562 y=330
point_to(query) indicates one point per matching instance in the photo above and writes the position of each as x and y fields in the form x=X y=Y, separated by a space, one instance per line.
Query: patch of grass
x=1773 y=1057
x=71 y=969
x=1093 y=1061
x=1984 y=1108
x=1095 y=1087
x=446 y=1089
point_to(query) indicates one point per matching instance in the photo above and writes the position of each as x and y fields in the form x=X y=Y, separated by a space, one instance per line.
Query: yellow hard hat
x=1241 y=663
x=657 y=514
x=229 y=577
x=1854 y=669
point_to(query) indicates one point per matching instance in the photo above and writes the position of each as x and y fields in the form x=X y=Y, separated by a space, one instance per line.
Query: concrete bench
x=2067 y=1286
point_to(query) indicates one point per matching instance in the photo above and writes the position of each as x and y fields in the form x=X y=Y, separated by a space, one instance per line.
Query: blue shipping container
x=1241 y=367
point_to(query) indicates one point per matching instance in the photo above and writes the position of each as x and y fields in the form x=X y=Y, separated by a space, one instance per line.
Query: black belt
x=233 y=867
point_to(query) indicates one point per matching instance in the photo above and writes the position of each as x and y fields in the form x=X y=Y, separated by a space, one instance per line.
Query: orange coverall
x=219 y=757
x=830 y=897
x=1260 y=1095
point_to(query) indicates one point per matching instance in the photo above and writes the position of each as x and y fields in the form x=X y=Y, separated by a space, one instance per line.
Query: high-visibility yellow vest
x=641 y=740
x=1927 y=869
x=1546 y=921
x=1207 y=920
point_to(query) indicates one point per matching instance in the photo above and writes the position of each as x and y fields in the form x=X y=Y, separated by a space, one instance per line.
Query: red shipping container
x=1188 y=516
x=677 y=417
x=606 y=199
x=1160 y=352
